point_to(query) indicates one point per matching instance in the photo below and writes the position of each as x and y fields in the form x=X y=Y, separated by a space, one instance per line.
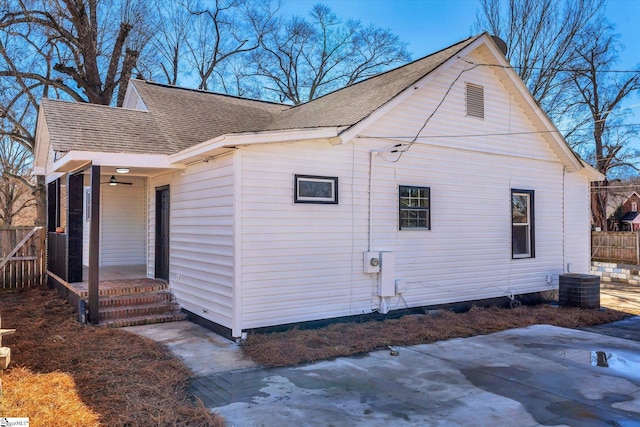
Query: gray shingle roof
x=90 y=127
x=350 y=105
x=178 y=118
x=189 y=117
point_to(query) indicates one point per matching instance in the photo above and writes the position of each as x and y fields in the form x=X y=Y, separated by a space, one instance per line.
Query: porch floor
x=117 y=273
x=116 y=280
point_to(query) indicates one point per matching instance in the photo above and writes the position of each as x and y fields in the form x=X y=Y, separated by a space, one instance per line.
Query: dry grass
x=65 y=374
x=45 y=399
x=343 y=339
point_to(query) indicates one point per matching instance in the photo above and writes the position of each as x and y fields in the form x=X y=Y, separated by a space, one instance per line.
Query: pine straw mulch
x=63 y=373
x=343 y=339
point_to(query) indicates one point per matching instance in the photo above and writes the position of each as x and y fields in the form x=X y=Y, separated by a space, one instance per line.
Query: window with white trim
x=522 y=224
x=414 y=207
x=315 y=189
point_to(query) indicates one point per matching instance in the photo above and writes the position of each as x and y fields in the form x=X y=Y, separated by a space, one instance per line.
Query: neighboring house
x=629 y=215
x=437 y=182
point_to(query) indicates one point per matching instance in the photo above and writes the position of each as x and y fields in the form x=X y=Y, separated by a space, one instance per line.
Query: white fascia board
x=289 y=135
x=505 y=68
x=117 y=159
x=592 y=173
x=253 y=138
x=42 y=144
x=52 y=177
x=197 y=150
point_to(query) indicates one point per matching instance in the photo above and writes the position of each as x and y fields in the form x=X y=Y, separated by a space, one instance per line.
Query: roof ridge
x=207 y=92
x=85 y=104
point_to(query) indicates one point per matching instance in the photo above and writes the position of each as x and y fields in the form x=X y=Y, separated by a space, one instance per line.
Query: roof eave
x=42 y=142
x=225 y=142
x=592 y=173
x=74 y=160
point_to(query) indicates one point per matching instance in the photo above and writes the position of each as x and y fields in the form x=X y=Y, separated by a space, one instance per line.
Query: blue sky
x=430 y=25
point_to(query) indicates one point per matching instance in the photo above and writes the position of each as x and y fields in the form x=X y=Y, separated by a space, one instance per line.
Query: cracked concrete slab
x=540 y=375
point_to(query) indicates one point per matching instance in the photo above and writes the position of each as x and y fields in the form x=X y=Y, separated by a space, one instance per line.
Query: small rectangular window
x=415 y=208
x=315 y=189
x=522 y=224
x=475 y=100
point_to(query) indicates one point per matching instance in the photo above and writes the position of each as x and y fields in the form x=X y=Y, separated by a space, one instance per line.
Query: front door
x=162 y=233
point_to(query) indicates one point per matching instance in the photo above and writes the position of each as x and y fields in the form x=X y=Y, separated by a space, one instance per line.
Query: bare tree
x=83 y=50
x=173 y=27
x=309 y=58
x=15 y=198
x=601 y=95
x=228 y=29
x=90 y=45
x=564 y=52
x=543 y=38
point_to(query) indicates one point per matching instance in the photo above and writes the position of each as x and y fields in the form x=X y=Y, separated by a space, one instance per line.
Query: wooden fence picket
x=22 y=257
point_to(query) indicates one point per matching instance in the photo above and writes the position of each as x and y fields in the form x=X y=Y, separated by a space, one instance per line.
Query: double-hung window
x=415 y=208
x=522 y=224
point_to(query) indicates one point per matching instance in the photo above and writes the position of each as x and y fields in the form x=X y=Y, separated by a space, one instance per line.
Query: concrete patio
x=540 y=375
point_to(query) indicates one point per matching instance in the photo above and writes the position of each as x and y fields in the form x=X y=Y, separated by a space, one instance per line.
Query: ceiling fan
x=114 y=181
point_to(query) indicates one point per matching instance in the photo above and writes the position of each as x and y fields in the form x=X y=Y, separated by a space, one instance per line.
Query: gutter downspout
x=236 y=316
x=564 y=219
x=373 y=155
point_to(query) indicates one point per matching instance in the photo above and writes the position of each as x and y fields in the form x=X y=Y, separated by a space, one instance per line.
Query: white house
x=440 y=181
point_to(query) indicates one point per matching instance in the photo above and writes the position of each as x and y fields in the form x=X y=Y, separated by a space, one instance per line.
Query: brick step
x=135 y=299
x=132 y=287
x=143 y=320
x=129 y=311
x=126 y=287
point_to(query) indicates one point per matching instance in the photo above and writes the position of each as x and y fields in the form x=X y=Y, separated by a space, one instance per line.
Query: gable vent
x=475 y=100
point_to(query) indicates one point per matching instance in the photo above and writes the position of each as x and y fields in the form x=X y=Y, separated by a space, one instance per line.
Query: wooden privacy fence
x=22 y=257
x=616 y=246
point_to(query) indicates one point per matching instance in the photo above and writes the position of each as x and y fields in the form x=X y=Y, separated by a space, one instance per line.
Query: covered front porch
x=98 y=245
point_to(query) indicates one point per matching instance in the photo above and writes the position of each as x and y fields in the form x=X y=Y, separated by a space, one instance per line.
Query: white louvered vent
x=475 y=100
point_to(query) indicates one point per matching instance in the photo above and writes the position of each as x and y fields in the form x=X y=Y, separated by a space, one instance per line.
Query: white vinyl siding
x=122 y=222
x=299 y=261
x=305 y=262
x=577 y=225
x=467 y=255
x=201 y=237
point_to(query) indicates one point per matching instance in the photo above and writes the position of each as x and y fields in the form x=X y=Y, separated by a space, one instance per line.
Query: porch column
x=94 y=245
x=75 y=222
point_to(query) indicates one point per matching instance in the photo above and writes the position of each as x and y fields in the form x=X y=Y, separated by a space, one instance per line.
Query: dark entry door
x=162 y=233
